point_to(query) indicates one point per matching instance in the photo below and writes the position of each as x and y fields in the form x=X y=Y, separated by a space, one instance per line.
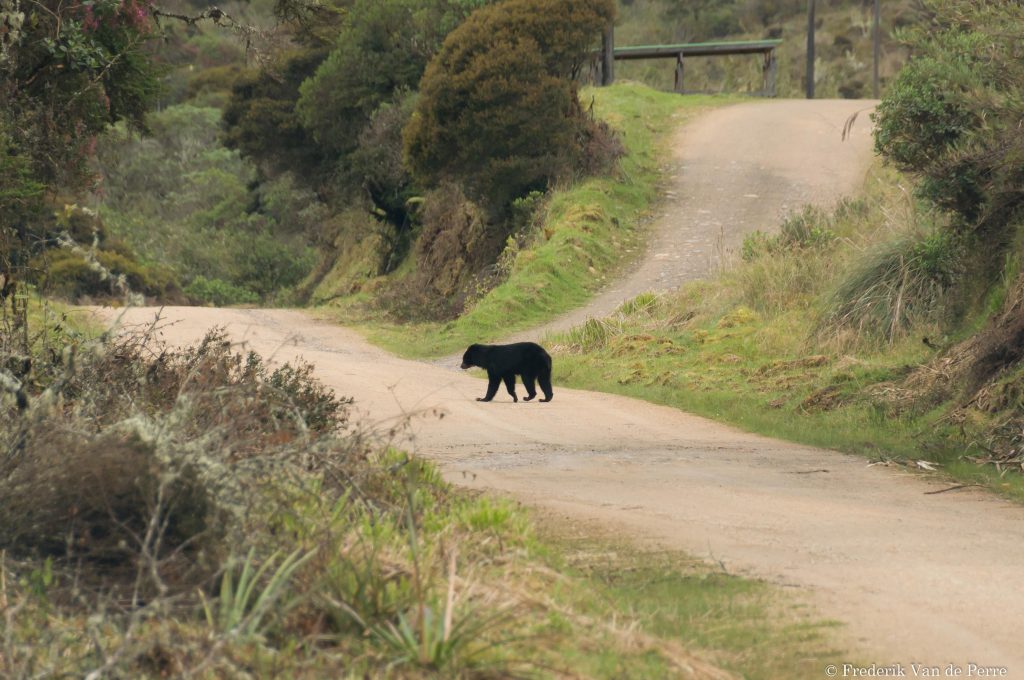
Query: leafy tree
x=377 y=164
x=498 y=111
x=260 y=119
x=70 y=70
x=952 y=117
x=324 y=112
x=381 y=50
x=67 y=71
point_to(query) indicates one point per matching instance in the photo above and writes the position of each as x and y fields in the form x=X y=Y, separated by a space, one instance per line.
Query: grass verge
x=590 y=230
x=747 y=627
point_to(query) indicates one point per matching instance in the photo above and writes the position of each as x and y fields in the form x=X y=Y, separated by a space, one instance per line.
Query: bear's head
x=472 y=356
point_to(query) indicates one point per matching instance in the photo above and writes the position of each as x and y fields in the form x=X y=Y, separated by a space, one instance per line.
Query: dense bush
x=135 y=448
x=219 y=293
x=382 y=49
x=952 y=116
x=498 y=111
x=902 y=284
x=260 y=119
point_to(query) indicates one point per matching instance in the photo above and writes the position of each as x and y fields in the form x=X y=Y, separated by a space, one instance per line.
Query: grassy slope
x=590 y=230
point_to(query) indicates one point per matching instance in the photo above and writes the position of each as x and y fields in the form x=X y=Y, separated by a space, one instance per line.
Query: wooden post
x=877 y=39
x=679 y=73
x=608 y=56
x=769 y=71
x=810 y=49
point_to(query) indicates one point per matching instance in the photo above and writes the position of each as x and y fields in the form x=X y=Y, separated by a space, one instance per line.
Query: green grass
x=745 y=626
x=591 y=229
x=734 y=375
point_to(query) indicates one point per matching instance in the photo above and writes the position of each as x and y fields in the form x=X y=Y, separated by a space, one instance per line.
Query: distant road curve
x=735 y=170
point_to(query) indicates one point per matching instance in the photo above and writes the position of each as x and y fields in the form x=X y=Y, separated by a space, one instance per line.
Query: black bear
x=504 y=362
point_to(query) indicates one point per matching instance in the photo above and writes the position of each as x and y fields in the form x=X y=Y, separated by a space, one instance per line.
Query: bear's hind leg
x=510 y=385
x=528 y=383
x=545 y=385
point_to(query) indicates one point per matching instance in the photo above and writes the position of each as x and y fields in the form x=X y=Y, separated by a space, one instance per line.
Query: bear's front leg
x=493 y=382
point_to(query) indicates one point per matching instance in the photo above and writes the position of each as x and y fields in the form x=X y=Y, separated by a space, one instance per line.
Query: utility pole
x=810 y=49
x=877 y=37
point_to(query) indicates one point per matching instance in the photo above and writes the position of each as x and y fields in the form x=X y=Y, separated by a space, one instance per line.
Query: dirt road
x=733 y=171
x=916 y=578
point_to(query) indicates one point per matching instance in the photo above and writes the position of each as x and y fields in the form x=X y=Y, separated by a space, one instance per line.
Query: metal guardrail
x=769 y=69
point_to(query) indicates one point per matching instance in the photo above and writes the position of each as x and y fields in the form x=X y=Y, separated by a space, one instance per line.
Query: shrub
x=923 y=116
x=135 y=446
x=266 y=263
x=810 y=228
x=72 y=275
x=220 y=293
x=497 y=109
x=952 y=115
x=600 y=148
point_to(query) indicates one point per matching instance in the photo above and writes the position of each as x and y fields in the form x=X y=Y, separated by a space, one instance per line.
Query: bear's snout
x=465 y=365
